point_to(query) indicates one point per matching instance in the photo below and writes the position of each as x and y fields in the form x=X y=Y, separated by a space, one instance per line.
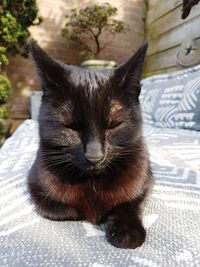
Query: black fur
x=92 y=162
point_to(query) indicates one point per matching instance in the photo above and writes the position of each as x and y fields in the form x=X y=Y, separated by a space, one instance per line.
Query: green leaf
x=5 y=87
x=15 y=19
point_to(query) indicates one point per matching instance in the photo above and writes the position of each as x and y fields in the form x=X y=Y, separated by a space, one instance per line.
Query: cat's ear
x=51 y=72
x=129 y=74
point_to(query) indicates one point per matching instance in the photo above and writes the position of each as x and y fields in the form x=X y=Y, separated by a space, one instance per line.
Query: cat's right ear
x=128 y=74
x=50 y=71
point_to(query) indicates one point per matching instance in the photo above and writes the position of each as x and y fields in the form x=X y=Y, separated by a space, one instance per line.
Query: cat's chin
x=94 y=170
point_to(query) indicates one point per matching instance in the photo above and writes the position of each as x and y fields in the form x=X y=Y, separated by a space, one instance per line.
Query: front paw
x=123 y=234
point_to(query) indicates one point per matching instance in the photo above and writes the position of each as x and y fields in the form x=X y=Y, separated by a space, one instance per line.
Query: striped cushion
x=172 y=100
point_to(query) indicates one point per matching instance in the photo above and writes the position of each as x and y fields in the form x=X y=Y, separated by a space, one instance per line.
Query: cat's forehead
x=88 y=79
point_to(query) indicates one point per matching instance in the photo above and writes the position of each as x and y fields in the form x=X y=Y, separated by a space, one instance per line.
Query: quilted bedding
x=172 y=215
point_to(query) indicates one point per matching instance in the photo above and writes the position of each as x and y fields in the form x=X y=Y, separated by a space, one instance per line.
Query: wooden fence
x=166 y=31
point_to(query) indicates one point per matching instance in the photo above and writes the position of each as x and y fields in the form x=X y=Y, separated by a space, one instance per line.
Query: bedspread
x=172 y=214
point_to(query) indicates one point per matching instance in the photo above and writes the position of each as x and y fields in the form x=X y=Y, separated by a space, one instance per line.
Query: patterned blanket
x=172 y=215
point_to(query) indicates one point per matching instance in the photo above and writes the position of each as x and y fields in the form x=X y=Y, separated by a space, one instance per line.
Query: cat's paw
x=123 y=234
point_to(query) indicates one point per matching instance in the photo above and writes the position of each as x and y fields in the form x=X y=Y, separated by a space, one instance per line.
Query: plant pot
x=95 y=64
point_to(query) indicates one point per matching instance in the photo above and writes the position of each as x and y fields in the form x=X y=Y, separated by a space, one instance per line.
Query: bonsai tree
x=88 y=25
x=15 y=18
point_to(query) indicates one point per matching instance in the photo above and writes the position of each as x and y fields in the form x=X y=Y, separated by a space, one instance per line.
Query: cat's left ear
x=129 y=74
x=50 y=71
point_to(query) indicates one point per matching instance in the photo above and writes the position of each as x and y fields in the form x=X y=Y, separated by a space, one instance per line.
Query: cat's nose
x=93 y=159
x=93 y=152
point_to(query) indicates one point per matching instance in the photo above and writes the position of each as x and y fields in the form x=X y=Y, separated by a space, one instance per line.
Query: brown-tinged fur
x=92 y=163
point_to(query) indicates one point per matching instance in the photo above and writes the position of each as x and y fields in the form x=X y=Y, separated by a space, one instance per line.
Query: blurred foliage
x=15 y=18
x=89 y=24
x=3 y=113
x=3 y=57
x=5 y=87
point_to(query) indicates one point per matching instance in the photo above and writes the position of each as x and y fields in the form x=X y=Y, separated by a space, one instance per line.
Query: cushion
x=171 y=216
x=172 y=100
x=36 y=98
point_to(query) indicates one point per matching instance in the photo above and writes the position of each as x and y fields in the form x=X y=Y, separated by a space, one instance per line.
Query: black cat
x=92 y=163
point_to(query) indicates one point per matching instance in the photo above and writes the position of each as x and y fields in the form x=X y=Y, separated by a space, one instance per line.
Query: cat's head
x=90 y=121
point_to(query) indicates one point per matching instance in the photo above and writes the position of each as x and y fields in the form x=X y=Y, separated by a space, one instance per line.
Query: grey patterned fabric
x=172 y=215
x=172 y=100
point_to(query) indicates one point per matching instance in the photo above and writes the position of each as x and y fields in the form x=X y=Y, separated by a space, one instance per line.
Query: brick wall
x=48 y=36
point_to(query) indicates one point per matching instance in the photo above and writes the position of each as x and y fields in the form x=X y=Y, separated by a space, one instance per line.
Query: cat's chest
x=92 y=200
x=94 y=194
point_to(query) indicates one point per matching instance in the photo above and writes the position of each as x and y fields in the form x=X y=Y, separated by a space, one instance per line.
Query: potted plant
x=93 y=27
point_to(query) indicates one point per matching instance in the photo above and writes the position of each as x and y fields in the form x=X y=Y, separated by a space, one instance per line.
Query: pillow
x=172 y=100
x=36 y=98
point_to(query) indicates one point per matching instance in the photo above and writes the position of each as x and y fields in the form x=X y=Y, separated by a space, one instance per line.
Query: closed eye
x=72 y=126
x=114 y=124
